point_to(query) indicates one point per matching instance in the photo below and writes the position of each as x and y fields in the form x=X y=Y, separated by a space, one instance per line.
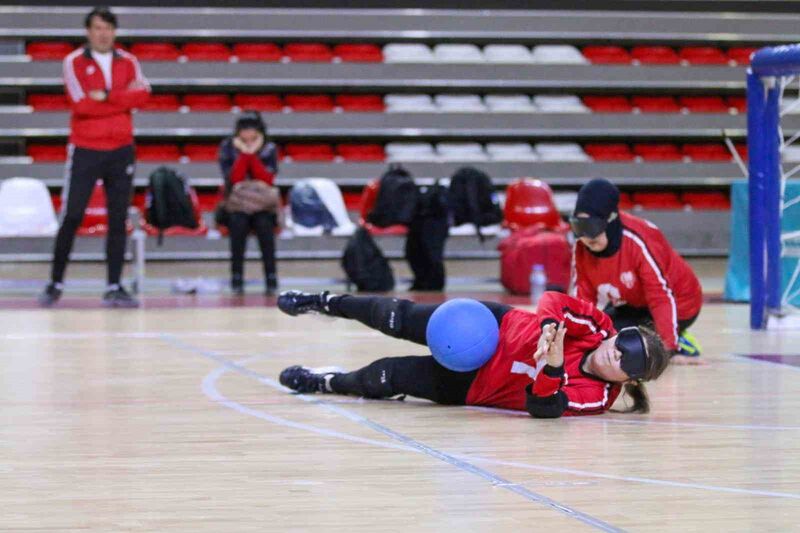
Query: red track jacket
x=503 y=380
x=645 y=272
x=103 y=125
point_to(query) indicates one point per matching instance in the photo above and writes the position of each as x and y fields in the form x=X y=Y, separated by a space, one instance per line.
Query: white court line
x=209 y=388
x=408 y=441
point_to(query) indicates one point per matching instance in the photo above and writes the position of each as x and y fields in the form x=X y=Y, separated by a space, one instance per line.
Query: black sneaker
x=308 y=380
x=295 y=303
x=271 y=285
x=51 y=294
x=237 y=285
x=117 y=296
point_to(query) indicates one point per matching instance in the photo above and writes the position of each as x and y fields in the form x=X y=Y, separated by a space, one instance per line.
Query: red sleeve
x=581 y=318
x=552 y=395
x=259 y=171
x=582 y=287
x=655 y=285
x=79 y=99
x=135 y=97
x=240 y=168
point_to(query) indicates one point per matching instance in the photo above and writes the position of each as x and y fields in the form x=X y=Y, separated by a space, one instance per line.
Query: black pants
x=626 y=316
x=425 y=252
x=263 y=224
x=419 y=376
x=84 y=168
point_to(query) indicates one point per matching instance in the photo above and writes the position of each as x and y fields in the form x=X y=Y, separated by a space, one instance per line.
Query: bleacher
x=559 y=95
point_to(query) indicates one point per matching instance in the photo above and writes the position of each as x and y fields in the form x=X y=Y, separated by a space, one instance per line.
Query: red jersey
x=502 y=381
x=105 y=125
x=645 y=272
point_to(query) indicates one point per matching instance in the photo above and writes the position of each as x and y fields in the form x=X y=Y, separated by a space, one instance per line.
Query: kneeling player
x=564 y=360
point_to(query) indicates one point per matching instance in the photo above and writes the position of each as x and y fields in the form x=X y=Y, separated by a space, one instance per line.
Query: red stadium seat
x=657 y=152
x=655 y=55
x=206 y=52
x=309 y=152
x=741 y=149
x=303 y=103
x=625 y=201
x=361 y=152
x=370 y=103
x=161 y=102
x=47 y=152
x=352 y=200
x=609 y=152
x=657 y=200
x=530 y=202
x=358 y=53
x=608 y=104
x=738 y=103
x=260 y=102
x=49 y=50
x=703 y=55
x=155 y=51
x=656 y=104
x=607 y=55
x=308 y=52
x=740 y=55
x=157 y=152
x=368 y=197
x=201 y=152
x=704 y=104
x=208 y=200
x=48 y=102
x=268 y=52
x=706 y=200
x=707 y=152
x=182 y=231
x=207 y=102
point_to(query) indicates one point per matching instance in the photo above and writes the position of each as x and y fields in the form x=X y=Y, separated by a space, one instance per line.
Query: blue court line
x=494 y=479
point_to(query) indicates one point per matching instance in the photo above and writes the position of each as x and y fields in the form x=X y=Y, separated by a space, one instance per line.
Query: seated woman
x=249 y=156
x=565 y=359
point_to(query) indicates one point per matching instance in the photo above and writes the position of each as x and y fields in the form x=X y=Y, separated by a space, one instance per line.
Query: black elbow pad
x=545 y=407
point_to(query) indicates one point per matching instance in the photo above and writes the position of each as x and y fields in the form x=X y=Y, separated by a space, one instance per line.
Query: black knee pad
x=376 y=379
x=387 y=315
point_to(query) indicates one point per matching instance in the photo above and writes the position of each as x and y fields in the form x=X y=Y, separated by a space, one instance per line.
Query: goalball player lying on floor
x=565 y=359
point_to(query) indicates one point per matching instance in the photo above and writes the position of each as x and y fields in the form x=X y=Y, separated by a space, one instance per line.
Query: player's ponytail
x=638 y=395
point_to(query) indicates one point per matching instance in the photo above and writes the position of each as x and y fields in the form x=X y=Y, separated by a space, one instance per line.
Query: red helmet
x=529 y=202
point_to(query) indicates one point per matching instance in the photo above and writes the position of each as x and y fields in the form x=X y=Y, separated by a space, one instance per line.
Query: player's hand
x=98 y=96
x=555 y=353
x=240 y=145
x=257 y=144
x=547 y=336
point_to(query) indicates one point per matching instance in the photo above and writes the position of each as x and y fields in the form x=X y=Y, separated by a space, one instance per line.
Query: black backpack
x=168 y=202
x=365 y=264
x=472 y=199
x=397 y=199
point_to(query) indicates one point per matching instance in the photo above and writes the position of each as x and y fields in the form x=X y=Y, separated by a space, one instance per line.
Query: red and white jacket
x=645 y=272
x=105 y=125
x=567 y=391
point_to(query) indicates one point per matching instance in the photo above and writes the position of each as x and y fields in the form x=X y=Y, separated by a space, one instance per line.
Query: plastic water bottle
x=538 y=283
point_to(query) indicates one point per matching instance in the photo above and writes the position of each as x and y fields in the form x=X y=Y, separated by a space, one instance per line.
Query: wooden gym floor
x=171 y=419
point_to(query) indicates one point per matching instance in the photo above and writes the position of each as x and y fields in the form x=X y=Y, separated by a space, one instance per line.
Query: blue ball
x=462 y=334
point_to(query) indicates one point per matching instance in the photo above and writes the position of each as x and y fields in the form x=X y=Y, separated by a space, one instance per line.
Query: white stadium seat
x=455 y=151
x=403 y=151
x=509 y=103
x=561 y=152
x=459 y=103
x=791 y=154
x=457 y=53
x=507 y=53
x=511 y=152
x=558 y=54
x=26 y=209
x=409 y=103
x=407 y=53
x=562 y=103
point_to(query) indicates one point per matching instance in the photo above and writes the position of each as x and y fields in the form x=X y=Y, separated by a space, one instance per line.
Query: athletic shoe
x=295 y=303
x=308 y=380
x=51 y=294
x=688 y=345
x=271 y=284
x=237 y=285
x=117 y=296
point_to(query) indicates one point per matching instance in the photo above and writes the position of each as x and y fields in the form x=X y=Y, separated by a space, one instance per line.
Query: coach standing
x=103 y=85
